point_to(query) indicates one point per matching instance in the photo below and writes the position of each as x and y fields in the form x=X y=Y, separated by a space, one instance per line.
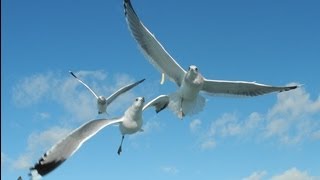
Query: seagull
x=130 y=123
x=187 y=99
x=103 y=102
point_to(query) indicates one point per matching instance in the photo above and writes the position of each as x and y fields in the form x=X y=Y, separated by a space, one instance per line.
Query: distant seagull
x=131 y=122
x=187 y=99
x=103 y=102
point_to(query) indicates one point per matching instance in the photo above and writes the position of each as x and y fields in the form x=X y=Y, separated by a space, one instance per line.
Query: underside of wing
x=241 y=88
x=160 y=103
x=151 y=47
x=69 y=145
x=84 y=84
x=122 y=90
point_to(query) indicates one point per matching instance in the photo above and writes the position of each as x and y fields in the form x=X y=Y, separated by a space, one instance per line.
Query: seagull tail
x=189 y=107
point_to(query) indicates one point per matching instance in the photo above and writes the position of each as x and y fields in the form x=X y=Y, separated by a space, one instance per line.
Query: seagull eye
x=136 y=99
x=196 y=69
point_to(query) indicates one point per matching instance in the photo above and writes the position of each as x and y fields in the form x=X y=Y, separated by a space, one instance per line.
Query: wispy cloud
x=293 y=119
x=258 y=175
x=208 y=143
x=170 y=169
x=294 y=174
x=195 y=125
x=4 y=159
x=75 y=100
x=31 y=90
x=36 y=143
x=290 y=174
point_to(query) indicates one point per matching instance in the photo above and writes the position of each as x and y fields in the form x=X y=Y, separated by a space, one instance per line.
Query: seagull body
x=103 y=102
x=131 y=122
x=187 y=99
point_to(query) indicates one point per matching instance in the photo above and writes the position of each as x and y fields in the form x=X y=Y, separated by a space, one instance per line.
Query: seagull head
x=192 y=72
x=193 y=69
x=102 y=100
x=138 y=102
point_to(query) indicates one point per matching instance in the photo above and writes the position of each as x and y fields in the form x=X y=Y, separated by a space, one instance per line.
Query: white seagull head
x=139 y=102
x=193 y=69
x=102 y=100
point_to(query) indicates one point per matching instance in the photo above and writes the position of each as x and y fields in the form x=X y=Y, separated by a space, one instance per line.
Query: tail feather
x=189 y=107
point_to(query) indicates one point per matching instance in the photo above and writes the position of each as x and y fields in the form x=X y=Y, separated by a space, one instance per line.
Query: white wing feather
x=241 y=88
x=151 y=47
x=122 y=90
x=69 y=145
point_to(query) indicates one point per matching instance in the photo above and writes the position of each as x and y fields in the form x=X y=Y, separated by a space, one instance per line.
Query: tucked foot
x=119 y=150
x=181 y=114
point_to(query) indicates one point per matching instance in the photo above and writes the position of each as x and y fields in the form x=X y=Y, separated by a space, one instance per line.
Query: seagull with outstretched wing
x=130 y=123
x=187 y=99
x=103 y=102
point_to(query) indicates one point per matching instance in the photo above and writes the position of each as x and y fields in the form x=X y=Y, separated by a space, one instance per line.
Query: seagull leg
x=181 y=114
x=120 y=147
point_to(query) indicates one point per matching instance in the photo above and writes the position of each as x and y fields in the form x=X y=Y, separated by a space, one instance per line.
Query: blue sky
x=275 y=136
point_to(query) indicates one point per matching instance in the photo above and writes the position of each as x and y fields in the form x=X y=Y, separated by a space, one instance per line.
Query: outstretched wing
x=69 y=145
x=241 y=88
x=84 y=84
x=160 y=103
x=122 y=90
x=151 y=47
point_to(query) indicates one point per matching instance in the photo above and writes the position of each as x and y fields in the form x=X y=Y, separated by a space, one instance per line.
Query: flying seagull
x=130 y=123
x=187 y=99
x=103 y=102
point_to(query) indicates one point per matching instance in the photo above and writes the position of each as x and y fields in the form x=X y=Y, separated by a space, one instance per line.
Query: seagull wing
x=84 y=84
x=160 y=103
x=69 y=145
x=151 y=47
x=241 y=88
x=122 y=90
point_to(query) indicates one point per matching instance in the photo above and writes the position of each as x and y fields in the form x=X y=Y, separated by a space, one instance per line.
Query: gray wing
x=122 y=90
x=69 y=145
x=151 y=47
x=241 y=88
x=84 y=84
x=160 y=103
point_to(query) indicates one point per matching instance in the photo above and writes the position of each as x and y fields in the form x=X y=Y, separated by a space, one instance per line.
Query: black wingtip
x=127 y=4
x=141 y=80
x=43 y=169
x=162 y=108
x=73 y=74
x=288 y=88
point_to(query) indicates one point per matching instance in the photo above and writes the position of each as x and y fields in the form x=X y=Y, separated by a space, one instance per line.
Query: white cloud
x=77 y=101
x=4 y=159
x=316 y=135
x=170 y=169
x=32 y=89
x=294 y=174
x=195 y=125
x=258 y=175
x=37 y=143
x=290 y=174
x=208 y=144
x=23 y=162
x=293 y=119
